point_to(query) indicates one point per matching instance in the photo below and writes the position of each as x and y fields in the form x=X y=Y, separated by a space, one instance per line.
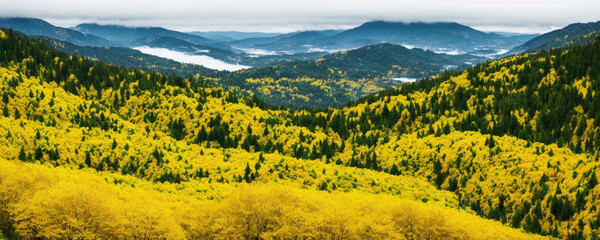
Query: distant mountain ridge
x=128 y=35
x=447 y=37
x=225 y=36
x=577 y=33
x=130 y=58
x=439 y=36
x=376 y=61
x=38 y=27
x=267 y=49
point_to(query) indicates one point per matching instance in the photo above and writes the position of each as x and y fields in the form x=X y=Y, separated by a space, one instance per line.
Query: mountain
x=577 y=33
x=225 y=36
x=193 y=44
x=38 y=27
x=337 y=78
x=390 y=61
x=376 y=61
x=172 y=43
x=224 y=54
x=303 y=91
x=294 y=42
x=439 y=36
x=130 y=58
x=94 y=151
x=297 y=42
x=257 y=61
x=128 y=35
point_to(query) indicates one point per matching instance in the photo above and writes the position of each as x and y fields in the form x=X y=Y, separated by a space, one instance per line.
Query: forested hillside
x=39 y=27
x=337 y=78
x=131 y=58
x=574 y=34
x=513 y=141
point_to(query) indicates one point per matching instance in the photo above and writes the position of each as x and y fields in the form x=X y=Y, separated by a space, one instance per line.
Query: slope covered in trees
x=329 y=81
x=39 y=27
x=474 y=142
x=131 y=58
x=338 y=78
x=333 y=89
x=57 y=202
x=376 y=61
x=577 y=33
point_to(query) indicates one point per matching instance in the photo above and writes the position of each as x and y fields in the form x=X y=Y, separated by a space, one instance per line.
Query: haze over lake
x=202 y=60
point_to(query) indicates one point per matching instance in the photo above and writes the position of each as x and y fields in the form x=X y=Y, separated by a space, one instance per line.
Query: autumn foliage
x=95 y=151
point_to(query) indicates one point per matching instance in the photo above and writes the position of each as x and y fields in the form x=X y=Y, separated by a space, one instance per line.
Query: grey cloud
x=286 y=15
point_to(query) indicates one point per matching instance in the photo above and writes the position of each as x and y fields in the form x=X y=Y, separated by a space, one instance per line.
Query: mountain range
x=128 y=35
x=225 y=36
x=439 y=37
x=264 y=49
x=300 y=57
x=38 y=27
x=295 y=59
x=506 y=149
x=337 y=78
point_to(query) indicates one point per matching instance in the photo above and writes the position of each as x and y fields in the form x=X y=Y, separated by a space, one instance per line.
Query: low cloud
x=288 y=15
x=202 y=60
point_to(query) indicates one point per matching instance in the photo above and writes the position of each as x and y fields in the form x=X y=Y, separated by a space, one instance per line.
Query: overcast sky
x=286 y=15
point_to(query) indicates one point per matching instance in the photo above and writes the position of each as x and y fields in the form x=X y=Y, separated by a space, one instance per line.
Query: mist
x=201 y=60
x=525 y=16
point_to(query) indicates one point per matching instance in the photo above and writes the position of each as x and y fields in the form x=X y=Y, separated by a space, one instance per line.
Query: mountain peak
x=28 y=21
x=387 y=24
x=115 y=26
x=39 y=27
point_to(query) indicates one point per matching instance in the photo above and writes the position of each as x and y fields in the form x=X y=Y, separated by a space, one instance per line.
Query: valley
x=385 y=130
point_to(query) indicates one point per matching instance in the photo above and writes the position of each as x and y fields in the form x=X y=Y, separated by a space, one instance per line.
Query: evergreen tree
x=593 y=181
x=247 y=173
x=88 y=159
x=39 y=153
x=22 y=154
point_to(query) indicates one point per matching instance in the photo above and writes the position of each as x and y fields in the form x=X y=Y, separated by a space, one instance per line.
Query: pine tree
x=323 y=186
x=490 y=142
x=593 y=181
x=22 y=154
x=39 y=153
x=394 y=170
x=88 y=159
x=5 y=111
x=247 y=173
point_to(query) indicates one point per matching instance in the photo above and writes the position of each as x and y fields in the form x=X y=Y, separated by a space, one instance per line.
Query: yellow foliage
x=65 y=203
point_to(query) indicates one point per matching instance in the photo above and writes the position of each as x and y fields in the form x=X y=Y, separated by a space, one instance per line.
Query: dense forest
x=574 y=34
x=506 y=149
x=328 y=81
x=126 y=57
x=337 y=78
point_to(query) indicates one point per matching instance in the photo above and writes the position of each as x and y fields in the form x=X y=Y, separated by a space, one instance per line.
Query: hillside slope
x=512 y=140
x=577 y=33
x=338 y=78
x=130 y=58
x=128 y=35
x=38 y=27
x=166 y=157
